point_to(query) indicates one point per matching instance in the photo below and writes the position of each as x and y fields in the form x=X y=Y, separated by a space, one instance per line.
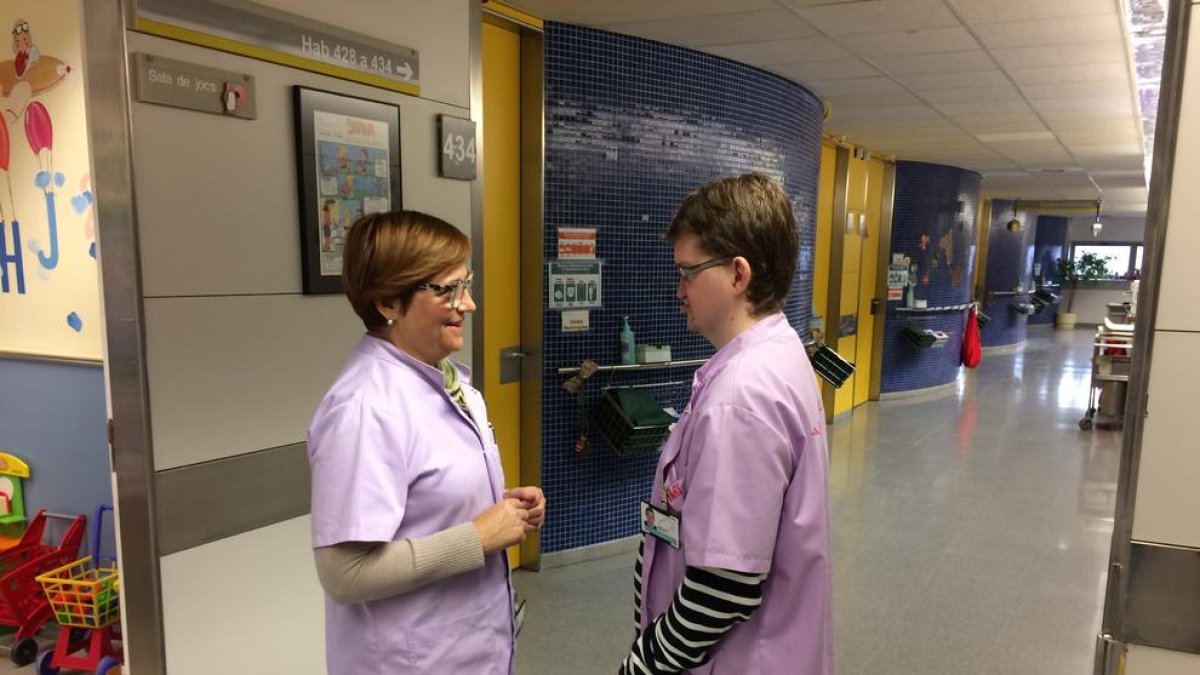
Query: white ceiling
x=1035 y=94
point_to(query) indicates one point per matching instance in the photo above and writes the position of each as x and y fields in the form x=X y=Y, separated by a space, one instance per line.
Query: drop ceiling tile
x=985 y=124
x=1073 y=73
x=848 y=101
x=880 y=16
x=950 y=62
x=998 y=107
x=780 y=51
x=974 y=78
x=1077 y=89
x=1118 y=104
x=971 y=95
x=992 y=11
x=625 y=11
x=1072 y=124
x=886 y=112
x=1074 y=119
x=927 y=41
x=1103 y=52
x=858 y=85
x=1036 y=33
x=805 y=71
x=772 y=24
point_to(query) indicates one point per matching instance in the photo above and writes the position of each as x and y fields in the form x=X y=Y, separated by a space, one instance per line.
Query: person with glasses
x=743 y=477
x=410 y=518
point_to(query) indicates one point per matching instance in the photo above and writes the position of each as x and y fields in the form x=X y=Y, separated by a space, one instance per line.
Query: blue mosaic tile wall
x=1009 y=264
x=933 y=223
x=1050 y=240
x=633 y=126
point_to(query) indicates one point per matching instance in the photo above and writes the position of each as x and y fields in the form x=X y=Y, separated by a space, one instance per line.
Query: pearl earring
x=391 y=321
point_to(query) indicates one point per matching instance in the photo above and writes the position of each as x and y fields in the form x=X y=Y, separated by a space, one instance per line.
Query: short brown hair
x=749 y=216
x=387 y=255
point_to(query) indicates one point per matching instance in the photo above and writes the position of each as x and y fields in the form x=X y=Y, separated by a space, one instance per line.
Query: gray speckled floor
x=971 y=534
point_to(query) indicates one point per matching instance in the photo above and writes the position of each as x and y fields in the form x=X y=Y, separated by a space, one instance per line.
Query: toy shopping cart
x=22 y=604
x=85 y=597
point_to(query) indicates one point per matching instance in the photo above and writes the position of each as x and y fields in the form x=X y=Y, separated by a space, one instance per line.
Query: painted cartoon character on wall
x=26 y=53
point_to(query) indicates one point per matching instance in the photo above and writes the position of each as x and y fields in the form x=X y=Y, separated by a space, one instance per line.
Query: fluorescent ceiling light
x=1016 y=136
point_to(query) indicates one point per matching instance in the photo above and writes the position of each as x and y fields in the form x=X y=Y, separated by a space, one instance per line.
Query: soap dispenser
x=627 y=345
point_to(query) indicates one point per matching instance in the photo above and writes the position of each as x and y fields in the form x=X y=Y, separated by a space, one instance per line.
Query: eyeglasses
x=455 y=289
x=686 y=273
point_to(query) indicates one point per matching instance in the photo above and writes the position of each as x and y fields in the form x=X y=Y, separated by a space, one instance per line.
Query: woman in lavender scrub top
x=410 y=518
x=745 y=587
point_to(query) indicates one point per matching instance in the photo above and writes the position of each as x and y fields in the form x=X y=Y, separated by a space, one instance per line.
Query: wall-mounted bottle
x=626 y=343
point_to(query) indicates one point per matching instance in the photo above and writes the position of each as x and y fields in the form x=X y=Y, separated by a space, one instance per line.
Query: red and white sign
x=576 y=242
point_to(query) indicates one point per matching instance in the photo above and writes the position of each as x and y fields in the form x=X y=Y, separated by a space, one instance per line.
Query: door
x=500 y=290
x=868 y=275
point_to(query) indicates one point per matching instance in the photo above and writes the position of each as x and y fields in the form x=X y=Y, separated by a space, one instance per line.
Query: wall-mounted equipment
x=831 y=366
x=924 y=338
x=632 y=420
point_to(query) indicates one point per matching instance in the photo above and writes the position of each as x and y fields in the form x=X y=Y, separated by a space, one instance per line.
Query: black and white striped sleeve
x=708 y=603
x=637 y=589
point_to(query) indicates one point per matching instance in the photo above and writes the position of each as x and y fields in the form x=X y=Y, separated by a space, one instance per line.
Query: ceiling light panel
x=880 y=16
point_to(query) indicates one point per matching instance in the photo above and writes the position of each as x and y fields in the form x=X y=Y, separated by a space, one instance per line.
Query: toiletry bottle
x=627 y=345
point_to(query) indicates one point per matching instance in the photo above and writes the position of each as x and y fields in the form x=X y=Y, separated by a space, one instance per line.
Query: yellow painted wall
x=500 y=291
x=825 y=191
x=869 y=266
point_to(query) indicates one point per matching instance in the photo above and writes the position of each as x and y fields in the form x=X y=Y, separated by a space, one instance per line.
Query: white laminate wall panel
x=231 y=375
x=1091 y=304
x=247 y=604
x=1141 y=660
x=235 y=375
x=1167 y=498
x=438 y=30
x=217 y=197
x=1177 y=305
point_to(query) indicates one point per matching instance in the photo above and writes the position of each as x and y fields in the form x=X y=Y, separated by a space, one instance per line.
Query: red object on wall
x=972 y=349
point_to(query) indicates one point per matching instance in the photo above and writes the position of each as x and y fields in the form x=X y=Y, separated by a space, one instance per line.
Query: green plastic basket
x=632 y=420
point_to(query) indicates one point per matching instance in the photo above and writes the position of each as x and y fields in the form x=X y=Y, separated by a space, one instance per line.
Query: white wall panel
x=1177 y=305
x=246 y=604
x=230 y=375
x=1142 y=660
x=1167 y=498
x=217 y=203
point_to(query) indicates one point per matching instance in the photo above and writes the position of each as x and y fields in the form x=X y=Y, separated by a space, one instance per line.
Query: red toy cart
x=85 y=596
x=28 y=547
x=22 y=603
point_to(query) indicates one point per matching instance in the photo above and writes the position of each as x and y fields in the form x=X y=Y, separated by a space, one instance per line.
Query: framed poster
x=348 y=165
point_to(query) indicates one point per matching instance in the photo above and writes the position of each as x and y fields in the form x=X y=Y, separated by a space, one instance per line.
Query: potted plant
x=1071 y=273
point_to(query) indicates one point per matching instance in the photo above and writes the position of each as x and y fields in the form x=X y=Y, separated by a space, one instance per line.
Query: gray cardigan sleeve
x=354 y=571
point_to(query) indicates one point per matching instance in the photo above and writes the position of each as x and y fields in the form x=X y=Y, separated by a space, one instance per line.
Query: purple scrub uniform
x=393 y=457
x=747 y=470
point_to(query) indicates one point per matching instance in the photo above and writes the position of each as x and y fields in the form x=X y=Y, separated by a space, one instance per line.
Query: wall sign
x=267 y=34
x=457 y=142
x=349 y=166
x=577 y=242
x=574 y=284
x=194 y=87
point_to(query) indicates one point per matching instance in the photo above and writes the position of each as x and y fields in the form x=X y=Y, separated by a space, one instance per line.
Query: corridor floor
x=970 y=534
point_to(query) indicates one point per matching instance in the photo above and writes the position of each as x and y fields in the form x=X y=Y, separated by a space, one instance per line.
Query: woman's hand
x=533 y=501
x=502 y=525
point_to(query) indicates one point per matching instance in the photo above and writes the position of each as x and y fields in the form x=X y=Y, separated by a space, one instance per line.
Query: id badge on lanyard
x=661 y=523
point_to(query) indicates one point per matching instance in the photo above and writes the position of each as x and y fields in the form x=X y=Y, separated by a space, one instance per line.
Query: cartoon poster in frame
x=348 y=152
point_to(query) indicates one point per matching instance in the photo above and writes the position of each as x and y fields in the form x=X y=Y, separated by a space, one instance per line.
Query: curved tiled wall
x=632 y=126
x=934 y=222
x=1009 y=265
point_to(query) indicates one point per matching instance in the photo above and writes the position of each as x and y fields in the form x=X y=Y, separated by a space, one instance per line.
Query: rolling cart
x=85 y=597
x=1112 y=353
x=22 y=605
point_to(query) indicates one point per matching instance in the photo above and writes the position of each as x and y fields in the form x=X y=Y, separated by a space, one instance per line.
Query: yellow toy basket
x=82 y=596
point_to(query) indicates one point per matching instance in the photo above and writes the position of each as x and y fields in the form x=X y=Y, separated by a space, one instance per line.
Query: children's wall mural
x=49 y=282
